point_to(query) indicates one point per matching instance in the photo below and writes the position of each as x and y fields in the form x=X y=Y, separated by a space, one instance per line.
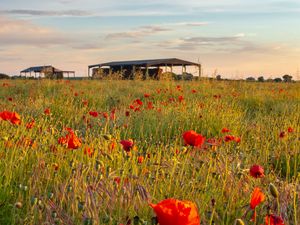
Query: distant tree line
x=285 y=78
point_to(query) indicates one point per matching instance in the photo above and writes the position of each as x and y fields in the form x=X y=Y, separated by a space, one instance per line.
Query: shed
x=148 y=67
x=46 y=71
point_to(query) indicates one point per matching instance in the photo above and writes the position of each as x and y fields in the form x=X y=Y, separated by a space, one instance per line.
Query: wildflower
x=257 y=171
x=146 y=95
x=93 y=113
x=229 y=138
x=180 y=98
x=225 y=130
x=176 y=212
x=127 y=144
x=140 y=159
x=127 y=113
x=194 y=91
x=256 y=198
x=47 y=111
x=71 y=140
x=193 y=139
x=274 y=220
x=282 y=134
x=150 y=105
x=13 y=117
x=290 y=130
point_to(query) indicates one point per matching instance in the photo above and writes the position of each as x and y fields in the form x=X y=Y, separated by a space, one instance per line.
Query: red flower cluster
x=229 y=138
x=13 y=117
x=176 y=212
x=193 y=139
x=71 y=140
x=225 y=130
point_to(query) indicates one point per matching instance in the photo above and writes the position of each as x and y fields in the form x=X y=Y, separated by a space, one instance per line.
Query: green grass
x=84 y=187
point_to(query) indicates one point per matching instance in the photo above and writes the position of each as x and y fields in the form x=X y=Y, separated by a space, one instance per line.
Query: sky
x=233 y=38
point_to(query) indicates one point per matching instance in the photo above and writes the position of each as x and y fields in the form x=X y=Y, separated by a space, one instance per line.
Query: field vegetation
x=106 y=152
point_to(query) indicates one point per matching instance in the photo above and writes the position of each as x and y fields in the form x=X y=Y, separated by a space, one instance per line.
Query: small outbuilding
x=148 y=68
x=46 y=71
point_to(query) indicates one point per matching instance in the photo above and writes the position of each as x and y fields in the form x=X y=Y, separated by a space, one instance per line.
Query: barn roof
x=149 y=62
x=39 y=69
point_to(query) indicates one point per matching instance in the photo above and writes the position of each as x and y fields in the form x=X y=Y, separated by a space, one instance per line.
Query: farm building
x=152 y=68
x=46 y=71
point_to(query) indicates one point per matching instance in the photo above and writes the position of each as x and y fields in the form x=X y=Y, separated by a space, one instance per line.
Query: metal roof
x=39 y=69
x=149 y=62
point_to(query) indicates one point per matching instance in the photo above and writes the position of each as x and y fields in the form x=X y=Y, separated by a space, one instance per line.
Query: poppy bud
x=154 y=220
x=106 y=137
x=273 y=190
x=239 y=222
x=54 y=214
x=136 y=220
x=19 y=205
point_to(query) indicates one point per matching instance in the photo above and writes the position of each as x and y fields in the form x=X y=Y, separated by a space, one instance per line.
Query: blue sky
x=235 y=38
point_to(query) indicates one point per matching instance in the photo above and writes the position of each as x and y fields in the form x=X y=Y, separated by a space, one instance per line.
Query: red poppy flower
x=140 y=159
x=150 y=105
x=180 y=98
x=74 y=142
x=10 y=99
x=274 y=220
x=282 y=134
x=127 y=144
x=176 y=212
x=256 y=198
x=225 y=130
x=290 y=130
x=105 y=115
x=71 y=140
x=194 y=91
x=13 y=117
x=229 y=138
x=47 y=111
x=93 y=114
x=146 y=95
x=138 y=102
x=193 y=139
x=113 y=114
x=257 y=171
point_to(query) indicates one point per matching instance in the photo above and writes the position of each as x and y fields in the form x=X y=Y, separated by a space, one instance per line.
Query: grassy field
x=50 y=174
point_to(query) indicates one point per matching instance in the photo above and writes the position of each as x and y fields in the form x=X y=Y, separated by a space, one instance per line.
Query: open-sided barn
x=149 y=68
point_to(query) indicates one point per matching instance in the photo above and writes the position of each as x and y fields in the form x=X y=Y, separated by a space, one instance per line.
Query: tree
x=277 y=80
x=287 y=78
x=261 y=79
x=218 y=77
x=3 y=76
x=250 y=79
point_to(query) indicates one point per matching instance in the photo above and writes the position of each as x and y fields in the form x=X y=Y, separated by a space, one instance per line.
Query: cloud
x=137 y=33
x=20 y=32
x=193 y=43
x=27 y=12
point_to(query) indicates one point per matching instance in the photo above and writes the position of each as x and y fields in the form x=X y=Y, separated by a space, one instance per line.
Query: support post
x=147 y=73
x=133 y=72
x=200 y=70
x=172 y=68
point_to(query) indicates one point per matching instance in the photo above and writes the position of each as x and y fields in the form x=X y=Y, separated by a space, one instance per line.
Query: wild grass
x=46 y=183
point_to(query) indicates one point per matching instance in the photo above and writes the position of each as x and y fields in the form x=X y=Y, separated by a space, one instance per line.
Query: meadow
x=100 y=152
